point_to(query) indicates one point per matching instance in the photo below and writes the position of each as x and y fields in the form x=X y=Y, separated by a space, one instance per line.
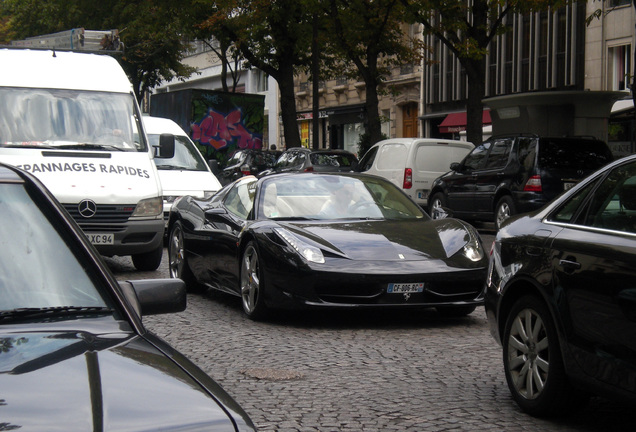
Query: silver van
x=413 y=163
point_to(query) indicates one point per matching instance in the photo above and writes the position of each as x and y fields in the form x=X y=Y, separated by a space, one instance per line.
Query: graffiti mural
x=218 y=122
x=221 y=131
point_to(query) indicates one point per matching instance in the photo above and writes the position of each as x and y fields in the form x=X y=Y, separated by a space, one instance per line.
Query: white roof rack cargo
x=77 y=39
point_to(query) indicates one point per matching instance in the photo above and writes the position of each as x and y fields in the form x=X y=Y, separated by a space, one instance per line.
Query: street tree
x=152 y=32
x=273 y=36
x=367 y=38
x=466 y=28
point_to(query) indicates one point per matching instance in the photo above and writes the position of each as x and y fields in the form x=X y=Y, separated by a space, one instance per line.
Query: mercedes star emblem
x=87 y=208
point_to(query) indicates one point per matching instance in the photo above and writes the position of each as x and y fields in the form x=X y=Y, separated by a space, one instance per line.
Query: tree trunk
x=474 y=105
x=285 y=81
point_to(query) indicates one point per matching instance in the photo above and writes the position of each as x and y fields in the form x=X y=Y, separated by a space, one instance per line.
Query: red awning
x=456 y=122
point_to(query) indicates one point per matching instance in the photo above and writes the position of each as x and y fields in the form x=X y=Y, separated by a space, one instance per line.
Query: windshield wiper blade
x=89 y=147
x=45 y=312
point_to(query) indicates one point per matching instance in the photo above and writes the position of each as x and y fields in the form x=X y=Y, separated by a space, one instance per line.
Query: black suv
x=247 y=162
x=515 y=174
x=301 y=159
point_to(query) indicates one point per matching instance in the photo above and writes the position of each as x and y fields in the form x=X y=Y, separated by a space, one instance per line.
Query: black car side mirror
x=455 y=166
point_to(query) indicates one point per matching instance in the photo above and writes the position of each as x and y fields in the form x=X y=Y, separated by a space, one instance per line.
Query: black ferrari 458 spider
x=325 y=240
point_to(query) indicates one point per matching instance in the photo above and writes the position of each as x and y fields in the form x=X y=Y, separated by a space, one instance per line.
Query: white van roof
x=411 y=141
x=61 y=70
x=159 y=125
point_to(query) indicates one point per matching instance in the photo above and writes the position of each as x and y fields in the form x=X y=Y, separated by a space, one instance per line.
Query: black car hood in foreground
x=78 y=381
x=386 y=240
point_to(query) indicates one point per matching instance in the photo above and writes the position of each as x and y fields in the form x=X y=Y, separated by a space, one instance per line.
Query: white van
x=187 y=173
x=413 y=163
x=72 y=120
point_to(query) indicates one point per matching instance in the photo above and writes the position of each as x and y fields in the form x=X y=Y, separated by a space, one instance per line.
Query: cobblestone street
x=354 y=371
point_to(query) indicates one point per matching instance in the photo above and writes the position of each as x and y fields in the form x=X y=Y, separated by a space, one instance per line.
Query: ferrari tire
x=253 y=284
x=177 y=261
x=533 y=364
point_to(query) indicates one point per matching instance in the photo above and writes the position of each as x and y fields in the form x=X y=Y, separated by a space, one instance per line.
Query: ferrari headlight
x=473 y=249
x=149 y=207
x=307 y=251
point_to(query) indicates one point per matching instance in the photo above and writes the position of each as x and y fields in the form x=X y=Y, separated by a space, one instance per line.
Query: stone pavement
x=358 y=371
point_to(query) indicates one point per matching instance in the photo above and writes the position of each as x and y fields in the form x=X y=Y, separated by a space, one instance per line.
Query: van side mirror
x=214 y=166
x=166 y=146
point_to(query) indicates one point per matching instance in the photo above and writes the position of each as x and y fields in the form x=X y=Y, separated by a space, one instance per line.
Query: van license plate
x=100 y=239
x=400 y=288
x=568 y=185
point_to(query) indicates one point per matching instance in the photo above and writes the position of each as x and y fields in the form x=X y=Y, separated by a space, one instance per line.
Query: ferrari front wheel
x=252 y=284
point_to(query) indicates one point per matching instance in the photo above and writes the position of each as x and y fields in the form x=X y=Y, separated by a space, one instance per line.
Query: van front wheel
x=148 y=261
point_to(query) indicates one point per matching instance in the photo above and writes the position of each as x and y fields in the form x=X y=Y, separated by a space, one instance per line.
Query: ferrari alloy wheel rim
x=250 y=281
x=528 y=354
x=503 y=213
x=176 y=253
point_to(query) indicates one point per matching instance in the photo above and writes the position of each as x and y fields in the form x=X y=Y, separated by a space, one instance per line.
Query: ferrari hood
x=390 y=240
x=76 y=381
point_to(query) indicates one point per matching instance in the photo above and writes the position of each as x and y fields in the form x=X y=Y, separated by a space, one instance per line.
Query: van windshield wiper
x=54 y=311
x=89 y=147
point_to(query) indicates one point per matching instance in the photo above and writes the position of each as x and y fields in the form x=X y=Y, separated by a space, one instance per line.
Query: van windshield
x=69 y=119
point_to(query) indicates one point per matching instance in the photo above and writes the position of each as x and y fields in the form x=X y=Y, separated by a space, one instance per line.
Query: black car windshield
x=331 y=159
x=313 y=197
x=69 y=119
x=38 y=269
x=584 y=154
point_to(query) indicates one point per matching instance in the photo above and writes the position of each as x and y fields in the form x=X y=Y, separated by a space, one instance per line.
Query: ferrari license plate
x=100 y=238
x=401 y=288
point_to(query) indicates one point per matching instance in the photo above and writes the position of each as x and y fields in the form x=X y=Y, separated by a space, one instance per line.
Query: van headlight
x=149 y=207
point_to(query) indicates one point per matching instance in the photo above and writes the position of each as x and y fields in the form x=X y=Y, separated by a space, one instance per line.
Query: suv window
x=477 y=157
x=499 y=153
x=555 y=153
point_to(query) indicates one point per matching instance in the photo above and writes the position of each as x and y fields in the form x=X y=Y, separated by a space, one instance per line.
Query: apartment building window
x=616 y=3
x=260 y=81
x=619 y=64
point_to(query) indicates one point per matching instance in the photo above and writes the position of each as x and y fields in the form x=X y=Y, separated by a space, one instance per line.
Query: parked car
x=301 y=159
x=74 y=354
x=246 y=162
x=413 y=163
x=325 y=240
x=561 y=295
x=515 y=174
x=186 y=173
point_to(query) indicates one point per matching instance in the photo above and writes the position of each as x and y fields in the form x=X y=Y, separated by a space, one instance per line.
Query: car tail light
x=408 y=178
x=533 y=184
x=309 y=169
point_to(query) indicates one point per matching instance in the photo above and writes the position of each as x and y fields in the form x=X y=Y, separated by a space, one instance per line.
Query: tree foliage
x=152 y=32
x=466 y=28
x=367 y=37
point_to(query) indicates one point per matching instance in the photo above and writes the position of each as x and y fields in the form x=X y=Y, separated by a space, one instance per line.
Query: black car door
x=594 y=262
x=460 y=185
x=492 y=175
x=226 y=223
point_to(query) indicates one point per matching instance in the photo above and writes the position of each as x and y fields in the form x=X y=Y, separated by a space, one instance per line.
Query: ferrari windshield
x=69 y=119
x=39 y=273
x=312 y=196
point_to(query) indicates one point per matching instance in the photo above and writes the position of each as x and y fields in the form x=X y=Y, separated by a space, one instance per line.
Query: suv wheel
x=505 y=208
x=437 y=201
